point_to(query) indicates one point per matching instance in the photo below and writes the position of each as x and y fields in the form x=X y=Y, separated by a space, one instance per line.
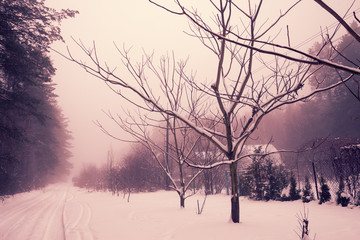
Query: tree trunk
x=315 y=179
x=235 y=205
x=128 y=198
x=182 y=201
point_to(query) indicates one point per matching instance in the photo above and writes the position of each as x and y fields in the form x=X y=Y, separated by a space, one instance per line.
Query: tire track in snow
x=18 y=211
x=78 y=216
x=77 y=219
x=56 y=220
x=18 y=217
x=36 y=218
x=87 y=232
x=57 y=214
x=63 y=212
x=48 y=219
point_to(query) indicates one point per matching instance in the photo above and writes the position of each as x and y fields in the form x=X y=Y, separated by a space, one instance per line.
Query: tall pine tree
x=30 y=120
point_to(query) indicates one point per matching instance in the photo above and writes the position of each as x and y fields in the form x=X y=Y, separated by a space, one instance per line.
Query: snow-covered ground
x=63 y=212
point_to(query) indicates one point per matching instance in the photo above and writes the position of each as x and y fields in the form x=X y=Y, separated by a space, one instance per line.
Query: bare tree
x=238 y=98
x=180 y=141
x=175 y=151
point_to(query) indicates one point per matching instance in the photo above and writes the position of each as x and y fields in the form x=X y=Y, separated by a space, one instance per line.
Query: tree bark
x=315 y=179
x=235 y=205
x=182 y=201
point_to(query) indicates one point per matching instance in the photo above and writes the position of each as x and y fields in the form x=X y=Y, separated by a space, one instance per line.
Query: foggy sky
x=142 y=25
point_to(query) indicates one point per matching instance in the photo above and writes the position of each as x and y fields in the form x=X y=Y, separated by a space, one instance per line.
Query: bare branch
x=339 y=19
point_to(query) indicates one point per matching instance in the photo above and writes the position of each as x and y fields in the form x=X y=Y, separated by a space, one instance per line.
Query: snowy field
x=62 y=212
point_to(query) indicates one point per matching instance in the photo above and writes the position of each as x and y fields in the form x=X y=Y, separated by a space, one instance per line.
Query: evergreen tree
x=244 y=184
x=266 y=180
x=325 y=195
x=31 y=146
x=307 y=194
x=277 y=180
x=294 y=193
x=258 y=177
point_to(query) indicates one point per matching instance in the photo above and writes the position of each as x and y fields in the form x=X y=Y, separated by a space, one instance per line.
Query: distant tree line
x=139 y=172
x=136 y=172
x=262 y=179
x=34 y=141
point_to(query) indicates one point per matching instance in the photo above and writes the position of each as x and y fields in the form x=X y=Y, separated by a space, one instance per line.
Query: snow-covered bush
x=344 y=199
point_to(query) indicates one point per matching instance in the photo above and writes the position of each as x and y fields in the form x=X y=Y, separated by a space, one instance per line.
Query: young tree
x=181 y=142
x=294 y=193
x=245 y=184
x=325 y=195
x=307 y=194
x=265 y=177
x=277 y=180
x=178 y=147
x=237 y=99
x=257 y=171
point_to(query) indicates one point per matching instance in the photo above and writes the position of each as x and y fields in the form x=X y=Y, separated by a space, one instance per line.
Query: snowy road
x=60 y=212
x=53 y=213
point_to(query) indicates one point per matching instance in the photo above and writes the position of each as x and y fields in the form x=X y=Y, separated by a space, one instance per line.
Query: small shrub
x=294 y=193
x=307 y=194
x=325 y=195
x=344 y=199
